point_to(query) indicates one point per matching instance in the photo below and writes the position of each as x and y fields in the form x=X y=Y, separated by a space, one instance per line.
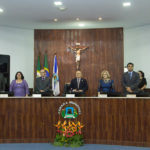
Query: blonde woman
x=106 y=85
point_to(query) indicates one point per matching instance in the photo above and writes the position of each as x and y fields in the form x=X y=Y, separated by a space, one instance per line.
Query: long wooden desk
x=122 y=121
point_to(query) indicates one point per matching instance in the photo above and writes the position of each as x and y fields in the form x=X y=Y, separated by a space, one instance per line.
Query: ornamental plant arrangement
x=68 y=131
x=69 y=134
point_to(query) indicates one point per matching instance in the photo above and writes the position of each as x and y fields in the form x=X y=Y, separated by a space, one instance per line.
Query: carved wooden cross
x=77 y=51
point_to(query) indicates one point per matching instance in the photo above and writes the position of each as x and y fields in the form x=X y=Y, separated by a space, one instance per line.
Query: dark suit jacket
x=45 y=84
x=2 y=82
x=132 y=83
x=82 y=86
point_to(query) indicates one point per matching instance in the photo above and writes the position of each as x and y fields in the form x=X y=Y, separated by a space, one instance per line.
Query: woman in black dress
x=143 y=83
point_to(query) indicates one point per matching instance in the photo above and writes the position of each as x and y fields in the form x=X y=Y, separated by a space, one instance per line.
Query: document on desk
x=70 y=95
x=131 y=95
x=36 y=95
x=3 y=95
x=102 y=95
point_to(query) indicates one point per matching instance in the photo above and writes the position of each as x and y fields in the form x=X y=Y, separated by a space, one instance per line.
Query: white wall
x=19 y=44
x=137 y=49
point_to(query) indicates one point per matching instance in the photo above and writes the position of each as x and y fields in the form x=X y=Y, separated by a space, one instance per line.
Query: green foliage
x=58 y=144
x=74 y=141
x=75 y=113
x=63 y=113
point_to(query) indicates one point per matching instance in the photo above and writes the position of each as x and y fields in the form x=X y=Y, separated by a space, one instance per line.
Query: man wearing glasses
x=43 y=84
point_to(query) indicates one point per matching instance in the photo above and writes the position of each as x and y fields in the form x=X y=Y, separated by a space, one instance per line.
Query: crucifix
x=77 y=51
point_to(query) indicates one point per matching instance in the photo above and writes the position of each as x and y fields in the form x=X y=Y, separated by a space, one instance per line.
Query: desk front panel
x=107 y=120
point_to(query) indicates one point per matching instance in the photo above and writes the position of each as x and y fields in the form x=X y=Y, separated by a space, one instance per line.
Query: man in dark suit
x=2 y=83
x=79 y=84
x=43 y=84
x=130 y=80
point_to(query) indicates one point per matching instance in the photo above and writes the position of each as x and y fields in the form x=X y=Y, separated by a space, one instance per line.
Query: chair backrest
x=67 y=88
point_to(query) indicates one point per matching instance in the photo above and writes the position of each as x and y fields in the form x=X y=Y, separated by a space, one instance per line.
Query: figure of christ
x=77 y=51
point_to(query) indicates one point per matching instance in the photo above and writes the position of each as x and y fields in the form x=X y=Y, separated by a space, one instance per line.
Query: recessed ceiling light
x=58 y=3
x=81 y=25
x=77 y=19
x=100 y=18
x=1 y=10
x=126 y=4
x=55 y=19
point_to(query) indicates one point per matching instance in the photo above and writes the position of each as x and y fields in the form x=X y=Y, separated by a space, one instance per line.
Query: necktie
x=130 y=73
x=78 y=81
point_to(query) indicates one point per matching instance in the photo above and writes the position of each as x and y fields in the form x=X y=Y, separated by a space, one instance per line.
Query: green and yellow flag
x=46 y=66
x=38 y=68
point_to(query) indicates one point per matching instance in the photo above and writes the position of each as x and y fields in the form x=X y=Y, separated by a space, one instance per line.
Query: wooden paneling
x=109 y=121
x=105 y=52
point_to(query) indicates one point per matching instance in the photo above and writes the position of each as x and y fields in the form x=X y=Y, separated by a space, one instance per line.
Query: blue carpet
x=45 y=146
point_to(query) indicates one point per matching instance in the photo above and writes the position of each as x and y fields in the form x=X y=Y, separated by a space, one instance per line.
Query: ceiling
x=39 y=14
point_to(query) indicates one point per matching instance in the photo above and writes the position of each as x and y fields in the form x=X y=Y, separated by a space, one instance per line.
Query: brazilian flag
x=38 y=68
x=46 y=66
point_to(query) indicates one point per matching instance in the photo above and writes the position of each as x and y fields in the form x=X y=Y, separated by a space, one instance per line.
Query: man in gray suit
x=2 y=83
x=130 y=80
x=43 y=84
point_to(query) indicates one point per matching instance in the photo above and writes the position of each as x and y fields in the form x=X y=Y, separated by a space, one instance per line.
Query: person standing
x=43 y=84
x=79 y=84
x=106 y=85
x=143 y=83
x=19 y=86
x=130 y=80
